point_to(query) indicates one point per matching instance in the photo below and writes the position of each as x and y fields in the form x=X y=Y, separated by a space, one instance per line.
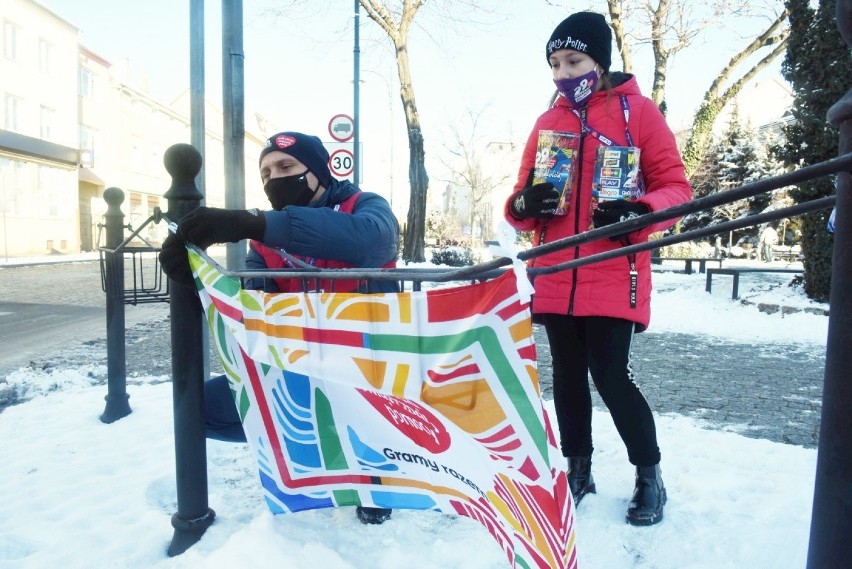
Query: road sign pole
x=356 y=85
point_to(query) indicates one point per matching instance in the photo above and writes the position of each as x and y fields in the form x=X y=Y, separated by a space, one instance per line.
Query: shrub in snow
x=453 y=256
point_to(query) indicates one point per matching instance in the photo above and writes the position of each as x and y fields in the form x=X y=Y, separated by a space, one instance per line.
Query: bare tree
x=397 y=27
x=472 y=172
x=716 y=98
x=396 y=19
x=618 y=13
x=669 y=27
x=397 y=23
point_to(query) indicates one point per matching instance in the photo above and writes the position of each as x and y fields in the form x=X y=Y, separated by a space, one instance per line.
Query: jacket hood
x=336 y=192
x=619 y=78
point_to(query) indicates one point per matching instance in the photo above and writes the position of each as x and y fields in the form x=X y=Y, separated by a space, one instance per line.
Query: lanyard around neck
x=625 y=108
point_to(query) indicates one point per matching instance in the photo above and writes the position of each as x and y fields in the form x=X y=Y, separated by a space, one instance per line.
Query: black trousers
x=221 y=418
x=600 y=346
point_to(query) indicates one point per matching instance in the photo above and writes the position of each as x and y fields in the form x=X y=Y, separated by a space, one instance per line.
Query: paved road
x=763 y=391
x=45 y=309
x=771 y=391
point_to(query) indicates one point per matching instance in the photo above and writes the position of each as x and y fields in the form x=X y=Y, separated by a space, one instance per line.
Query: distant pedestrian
x=717 y=248
x=768 y=240
x=591 y=313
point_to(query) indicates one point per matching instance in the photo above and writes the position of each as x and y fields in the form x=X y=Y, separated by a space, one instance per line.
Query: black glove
x=208 y=225
x=616 y=211
x=174 y=260
x=537 y=201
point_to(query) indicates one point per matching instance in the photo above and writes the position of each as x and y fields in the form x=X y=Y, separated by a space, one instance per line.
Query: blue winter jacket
x=365 y=238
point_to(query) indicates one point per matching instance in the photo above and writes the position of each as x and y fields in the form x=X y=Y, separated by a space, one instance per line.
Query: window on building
x=45 y=56
x=135 y=210
x=50 y=191
x=11 y=33
x=47 y=118
x=88 y=136
x=137 y=156
x=14 y=183
x=11 y=113
x=87 y=83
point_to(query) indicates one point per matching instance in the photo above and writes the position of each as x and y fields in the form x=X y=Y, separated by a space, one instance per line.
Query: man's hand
x=538 y=201
x=174 y=260
x=208 y=225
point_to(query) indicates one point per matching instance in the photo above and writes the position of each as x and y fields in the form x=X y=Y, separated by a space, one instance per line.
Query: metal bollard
x=183 y=162
x=117 y=405
x=831 y=520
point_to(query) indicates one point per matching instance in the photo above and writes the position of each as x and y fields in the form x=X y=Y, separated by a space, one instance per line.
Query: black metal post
x=198 y=137
x=117 y=405
x=196 y=82
x=193 y=517
x=233 y=113
x=830 y=545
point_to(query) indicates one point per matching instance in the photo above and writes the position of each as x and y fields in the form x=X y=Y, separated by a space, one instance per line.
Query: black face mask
x=289 y=190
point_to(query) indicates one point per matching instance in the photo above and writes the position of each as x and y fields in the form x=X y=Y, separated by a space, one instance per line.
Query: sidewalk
x=770 y=391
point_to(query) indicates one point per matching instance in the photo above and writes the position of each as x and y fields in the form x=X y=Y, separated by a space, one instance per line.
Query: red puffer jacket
x=603 y=288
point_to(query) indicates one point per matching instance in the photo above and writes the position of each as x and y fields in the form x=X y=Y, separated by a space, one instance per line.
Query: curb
x=784 y=310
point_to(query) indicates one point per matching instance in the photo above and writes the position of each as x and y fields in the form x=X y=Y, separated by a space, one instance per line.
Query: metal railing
x=188 y=333
x=194 y=514
x=148 y=282
x=488 y=269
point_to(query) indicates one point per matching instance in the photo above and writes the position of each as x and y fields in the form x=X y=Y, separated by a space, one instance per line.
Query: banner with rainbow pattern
x=420 y=400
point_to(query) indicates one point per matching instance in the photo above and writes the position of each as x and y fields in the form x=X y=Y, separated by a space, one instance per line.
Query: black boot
x=580 y=479
x=649 y=497
x=369 y=515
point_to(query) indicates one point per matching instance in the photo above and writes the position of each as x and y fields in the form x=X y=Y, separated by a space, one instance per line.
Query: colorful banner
x=419 y=400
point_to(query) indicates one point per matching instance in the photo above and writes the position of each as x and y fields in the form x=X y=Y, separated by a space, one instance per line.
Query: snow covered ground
x=77 y=493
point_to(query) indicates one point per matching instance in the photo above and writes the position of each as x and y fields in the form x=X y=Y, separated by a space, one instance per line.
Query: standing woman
x=591 y=313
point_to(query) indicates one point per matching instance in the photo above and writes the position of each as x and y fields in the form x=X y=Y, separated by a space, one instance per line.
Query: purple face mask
x=578 y=89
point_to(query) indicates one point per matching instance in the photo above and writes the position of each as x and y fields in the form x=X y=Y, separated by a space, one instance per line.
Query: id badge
x=617 y=175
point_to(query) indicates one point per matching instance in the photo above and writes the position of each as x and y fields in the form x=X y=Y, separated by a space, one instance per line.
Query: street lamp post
x=356 y=80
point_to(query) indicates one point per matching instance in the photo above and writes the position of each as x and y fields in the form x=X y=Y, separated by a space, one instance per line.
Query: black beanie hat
x=584 y=31
x=305 y=148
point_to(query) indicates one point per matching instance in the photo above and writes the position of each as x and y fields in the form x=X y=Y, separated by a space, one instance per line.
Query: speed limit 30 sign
x=341 y=162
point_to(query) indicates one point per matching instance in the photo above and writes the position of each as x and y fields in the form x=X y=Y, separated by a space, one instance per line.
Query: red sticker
x=412 y=420
x=285 y=140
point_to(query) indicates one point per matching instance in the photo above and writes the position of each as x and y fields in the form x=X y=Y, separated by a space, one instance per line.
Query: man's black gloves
x=208 y=225
x=538 y=201
x=615 y=211
x=174 y=260
x=203 y=227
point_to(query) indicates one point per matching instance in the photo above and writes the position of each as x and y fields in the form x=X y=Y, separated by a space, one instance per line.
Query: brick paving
x=770 y=392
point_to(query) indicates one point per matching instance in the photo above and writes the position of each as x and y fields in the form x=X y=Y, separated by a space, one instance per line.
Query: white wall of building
x=55 y=91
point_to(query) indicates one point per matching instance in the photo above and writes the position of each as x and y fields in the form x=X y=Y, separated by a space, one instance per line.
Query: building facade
x=38 y=133
x=73 y=126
